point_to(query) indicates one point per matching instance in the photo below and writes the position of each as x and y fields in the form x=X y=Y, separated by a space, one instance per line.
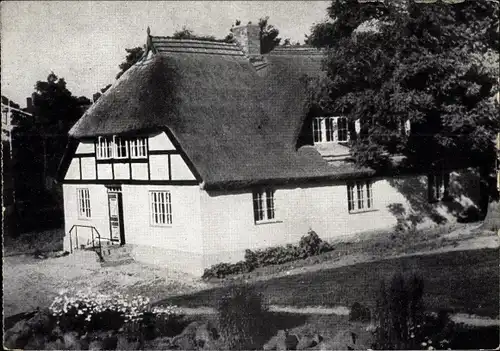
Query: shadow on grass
x=485 y=338
x=464 y=281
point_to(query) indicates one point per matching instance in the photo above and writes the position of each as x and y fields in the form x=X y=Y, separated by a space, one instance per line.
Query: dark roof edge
x=242 y=184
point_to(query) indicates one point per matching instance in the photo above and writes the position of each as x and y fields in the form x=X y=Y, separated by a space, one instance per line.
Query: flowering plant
x=87 y=309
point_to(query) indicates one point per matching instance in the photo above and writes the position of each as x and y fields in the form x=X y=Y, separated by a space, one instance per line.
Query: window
x=263 y=205
x=83 y=197
x=120 y=147
x=316 y=130
x=438 y=186
x=104 y=148
x=404 y=127
x=138 y=148
x=161 y=207
x=330 y=129
x=359 y=196
x=343 y=132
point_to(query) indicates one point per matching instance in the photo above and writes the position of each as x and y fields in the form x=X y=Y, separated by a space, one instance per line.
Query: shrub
x=359 y=313
x=309 y=245
x=241 y=317
x=400 y=312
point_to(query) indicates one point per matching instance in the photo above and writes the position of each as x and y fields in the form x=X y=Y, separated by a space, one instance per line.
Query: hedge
x=309 y=245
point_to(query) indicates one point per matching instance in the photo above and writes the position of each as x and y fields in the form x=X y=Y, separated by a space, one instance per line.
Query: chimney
x=29 y=104
x=248 y=37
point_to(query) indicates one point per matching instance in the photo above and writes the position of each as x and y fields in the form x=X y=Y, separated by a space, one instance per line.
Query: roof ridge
x=185 y=40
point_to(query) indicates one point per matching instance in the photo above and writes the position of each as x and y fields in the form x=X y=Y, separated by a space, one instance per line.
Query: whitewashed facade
x=209 y=227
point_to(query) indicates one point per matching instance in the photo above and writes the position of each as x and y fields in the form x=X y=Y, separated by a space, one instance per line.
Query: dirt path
x=29 y=283
x=472 y=320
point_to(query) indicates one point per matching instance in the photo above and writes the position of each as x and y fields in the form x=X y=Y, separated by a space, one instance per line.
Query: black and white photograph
x=251 y=175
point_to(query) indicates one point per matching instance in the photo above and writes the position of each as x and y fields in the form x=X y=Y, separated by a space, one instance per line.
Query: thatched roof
x=237 y=127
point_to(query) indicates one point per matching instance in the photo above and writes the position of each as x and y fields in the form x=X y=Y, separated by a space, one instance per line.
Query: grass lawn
x=459 y=281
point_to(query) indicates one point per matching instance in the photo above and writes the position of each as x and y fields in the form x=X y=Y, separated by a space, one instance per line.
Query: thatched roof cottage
x=203 y=149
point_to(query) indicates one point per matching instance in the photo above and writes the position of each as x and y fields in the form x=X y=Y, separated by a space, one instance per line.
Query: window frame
x=264 y=205
x=137 y=144
x=330 y=129
x=166 y=207
x=83 y=204
x=360 y=196
x=104 y=144
x=438 y=187
x=120 y=144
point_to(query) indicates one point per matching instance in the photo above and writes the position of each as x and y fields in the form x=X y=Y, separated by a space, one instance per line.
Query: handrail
x=92 y=228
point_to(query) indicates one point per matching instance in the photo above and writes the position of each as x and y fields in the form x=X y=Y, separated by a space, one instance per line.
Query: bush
x=241 y=317
x=400 y=312
x=359 y=313
x=309 y=245
x=470 y=214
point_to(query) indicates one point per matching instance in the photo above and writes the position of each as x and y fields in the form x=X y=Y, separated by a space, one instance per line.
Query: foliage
x=359 y=312
x=434 y=64
x=309 y=245
x=86 y=311
x=400 y=312
x=241 y=317
x=186 y=33
x=133 y=55
x=97 y=95
x=268 y=36
x=39 y=140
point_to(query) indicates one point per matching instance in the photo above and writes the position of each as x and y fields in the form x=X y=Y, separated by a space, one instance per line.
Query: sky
x=85 y=41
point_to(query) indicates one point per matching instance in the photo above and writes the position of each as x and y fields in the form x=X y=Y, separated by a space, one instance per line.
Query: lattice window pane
x=330 y=128
x=120 y=145
x=138 y=148
x=343 y=131
x=369 y=195
x=317 y=130
x=161 y=208
x=350 y=198
x=270 y=204
x=83 y=200
x=103 y=148
x=258 y=206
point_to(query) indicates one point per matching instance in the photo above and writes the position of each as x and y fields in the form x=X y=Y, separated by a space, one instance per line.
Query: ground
x=459 y=271
x=30 y=282
x=461 y=281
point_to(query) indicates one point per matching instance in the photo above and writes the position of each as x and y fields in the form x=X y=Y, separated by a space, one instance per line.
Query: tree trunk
x=45 y=166
x=492 y=219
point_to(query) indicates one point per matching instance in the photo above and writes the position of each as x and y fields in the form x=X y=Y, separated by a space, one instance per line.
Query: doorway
x=116 y=227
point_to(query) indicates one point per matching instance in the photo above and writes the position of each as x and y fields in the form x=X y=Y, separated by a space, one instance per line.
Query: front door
x=116 y=217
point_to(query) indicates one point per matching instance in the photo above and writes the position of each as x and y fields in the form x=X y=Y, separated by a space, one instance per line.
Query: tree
x=268 y=36
x=186 y=33
x=133 y=55
x=433 y=63
x=345 y=17
x=97 y=95
x=42 y=138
